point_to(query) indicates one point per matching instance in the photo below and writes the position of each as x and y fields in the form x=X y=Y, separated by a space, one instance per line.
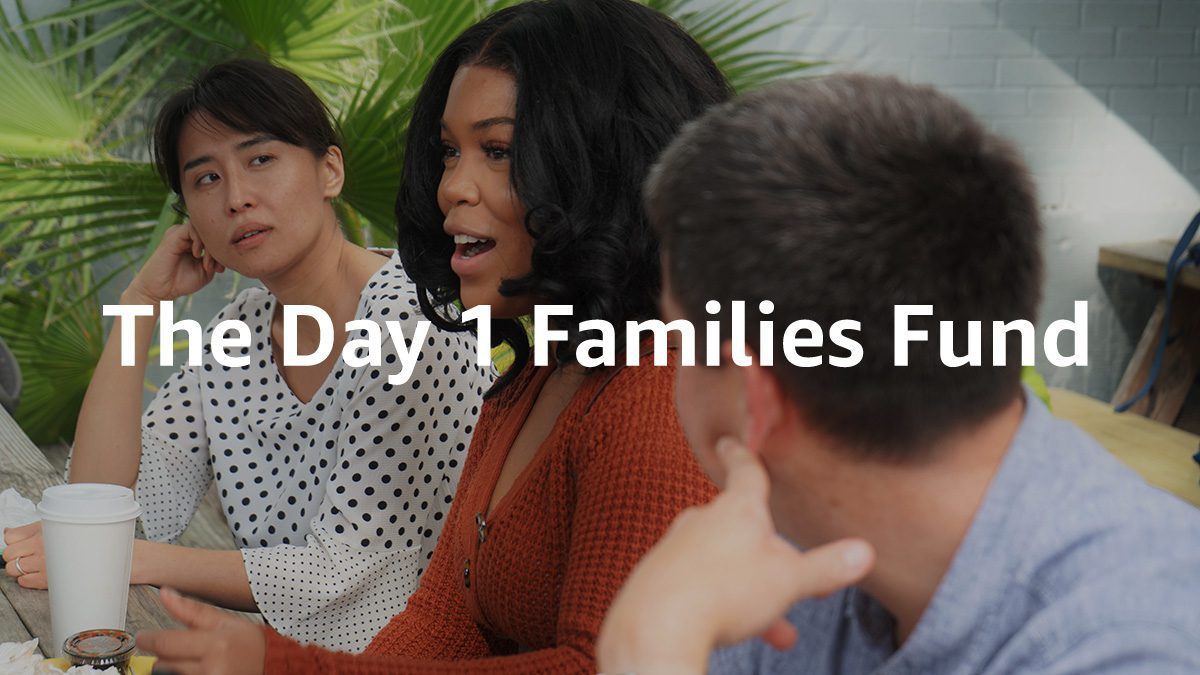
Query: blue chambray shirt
x=1072 y=565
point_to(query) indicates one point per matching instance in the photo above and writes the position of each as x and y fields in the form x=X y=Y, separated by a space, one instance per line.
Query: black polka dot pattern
x=336 y=503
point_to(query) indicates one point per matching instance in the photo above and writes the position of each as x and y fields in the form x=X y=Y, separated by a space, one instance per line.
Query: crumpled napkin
x=23 y=658
x=15 y=511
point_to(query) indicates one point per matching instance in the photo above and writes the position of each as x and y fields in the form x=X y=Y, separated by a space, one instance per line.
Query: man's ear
x=334 y=168
x=764 y=400
x=765 y=405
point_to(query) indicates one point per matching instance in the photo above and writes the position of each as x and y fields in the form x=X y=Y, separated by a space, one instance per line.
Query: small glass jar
x=101 y=648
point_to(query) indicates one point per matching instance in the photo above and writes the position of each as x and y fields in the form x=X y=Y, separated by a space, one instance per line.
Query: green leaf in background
x=57 y=360
x=80 y=205
x=39 y=115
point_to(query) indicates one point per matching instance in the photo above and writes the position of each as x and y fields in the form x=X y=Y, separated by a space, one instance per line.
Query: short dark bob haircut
x=839 y=198
x=248 y=96
x=602 y=87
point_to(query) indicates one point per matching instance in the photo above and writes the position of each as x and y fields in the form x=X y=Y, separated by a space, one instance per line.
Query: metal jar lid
x=99 y=647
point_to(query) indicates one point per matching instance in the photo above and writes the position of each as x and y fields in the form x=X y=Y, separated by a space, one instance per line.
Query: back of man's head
x=840 y=198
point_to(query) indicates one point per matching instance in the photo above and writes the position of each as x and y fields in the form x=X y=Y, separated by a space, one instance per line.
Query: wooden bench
x=1181 y=360
x=1162 y=454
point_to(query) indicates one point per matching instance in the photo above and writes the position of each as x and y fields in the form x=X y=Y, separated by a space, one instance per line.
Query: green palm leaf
x=374 y=121
x=39 y=115
x=79 y=204
x=58 y=217
x=726 y=29
x=57 y=360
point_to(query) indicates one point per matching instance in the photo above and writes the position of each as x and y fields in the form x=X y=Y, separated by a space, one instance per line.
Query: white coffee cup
x=87 y=532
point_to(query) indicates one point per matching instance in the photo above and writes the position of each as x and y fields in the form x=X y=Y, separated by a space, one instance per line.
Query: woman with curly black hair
x=594 y=106
x=527 y=149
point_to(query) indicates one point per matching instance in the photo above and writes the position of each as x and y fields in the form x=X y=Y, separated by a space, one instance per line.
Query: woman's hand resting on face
x=179 y=266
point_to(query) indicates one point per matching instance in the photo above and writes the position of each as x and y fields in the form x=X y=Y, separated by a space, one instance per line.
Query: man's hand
x=720 y=575
x=24 y=544
x=215 y=643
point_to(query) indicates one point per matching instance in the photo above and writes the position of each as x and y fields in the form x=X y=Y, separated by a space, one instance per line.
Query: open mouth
x=467 y=246
x=249 y=235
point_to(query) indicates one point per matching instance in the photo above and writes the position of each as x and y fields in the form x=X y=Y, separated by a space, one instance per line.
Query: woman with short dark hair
x=334 y=483
x=522 y=180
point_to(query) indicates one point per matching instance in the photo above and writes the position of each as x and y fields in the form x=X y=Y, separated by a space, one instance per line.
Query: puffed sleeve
x=435 y=627
x=174 y=471
x=400 y=452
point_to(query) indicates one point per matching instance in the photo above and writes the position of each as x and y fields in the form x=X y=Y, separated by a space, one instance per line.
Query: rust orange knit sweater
x=529 y=593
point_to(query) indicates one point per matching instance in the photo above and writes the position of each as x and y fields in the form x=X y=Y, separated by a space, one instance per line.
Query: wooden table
x=1161 y=454
x=1149 y=259
x=27 y=612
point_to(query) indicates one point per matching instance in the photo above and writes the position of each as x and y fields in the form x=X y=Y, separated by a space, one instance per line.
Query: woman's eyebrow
x=249 y=142
x=493 y=121
x=484 y=123
x=257 y=140
x=193 y=163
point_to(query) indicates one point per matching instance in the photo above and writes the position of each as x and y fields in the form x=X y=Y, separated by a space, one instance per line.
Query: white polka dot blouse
x=336 y=503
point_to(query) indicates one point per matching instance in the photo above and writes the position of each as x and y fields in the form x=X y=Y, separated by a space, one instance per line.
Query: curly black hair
x=602 y=87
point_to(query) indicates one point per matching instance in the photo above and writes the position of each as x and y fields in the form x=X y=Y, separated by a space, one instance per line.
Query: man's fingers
x=190 y=612
x=829 y=568
x=781 y=635
x=744 y=474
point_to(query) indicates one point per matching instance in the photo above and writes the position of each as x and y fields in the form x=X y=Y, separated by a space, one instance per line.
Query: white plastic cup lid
x=88 y=503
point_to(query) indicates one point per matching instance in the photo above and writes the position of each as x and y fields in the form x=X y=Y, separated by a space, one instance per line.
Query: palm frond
x=57 y=359
x=727 y=28
x=374 y=121
x=80 y=206
x=39 y=115
x=61 y=217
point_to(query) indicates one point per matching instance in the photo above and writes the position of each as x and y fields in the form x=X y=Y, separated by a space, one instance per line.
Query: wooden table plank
x=12 y=629
x=1180 y=361
x=1149 y=259
x=1161 y=454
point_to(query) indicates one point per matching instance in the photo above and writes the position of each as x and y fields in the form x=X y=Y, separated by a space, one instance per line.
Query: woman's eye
x=260 y=160
x=448 y=152
x=498 y=153
x=206 y=179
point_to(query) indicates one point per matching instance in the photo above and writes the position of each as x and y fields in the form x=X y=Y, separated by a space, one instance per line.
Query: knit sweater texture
x=524 y=589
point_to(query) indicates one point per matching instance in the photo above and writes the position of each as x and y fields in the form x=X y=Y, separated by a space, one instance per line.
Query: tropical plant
x=80 y=204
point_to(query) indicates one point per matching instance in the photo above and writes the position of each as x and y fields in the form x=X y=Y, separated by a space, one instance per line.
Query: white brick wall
x=1102 y=96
